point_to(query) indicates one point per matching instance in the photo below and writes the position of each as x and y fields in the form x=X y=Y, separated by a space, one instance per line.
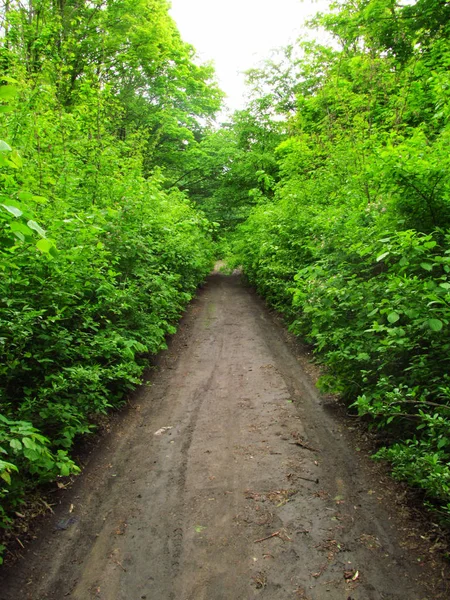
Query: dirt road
x=253 y=492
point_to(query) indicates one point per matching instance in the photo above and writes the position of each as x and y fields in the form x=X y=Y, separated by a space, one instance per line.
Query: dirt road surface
x=255 y=491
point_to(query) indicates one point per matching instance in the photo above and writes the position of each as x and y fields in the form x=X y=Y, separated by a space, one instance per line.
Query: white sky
x=237 y=34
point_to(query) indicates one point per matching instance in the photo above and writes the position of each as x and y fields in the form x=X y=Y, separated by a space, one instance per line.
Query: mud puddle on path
x=253 y=492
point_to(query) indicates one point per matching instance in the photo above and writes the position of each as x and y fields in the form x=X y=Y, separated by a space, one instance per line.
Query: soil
x=229 y=478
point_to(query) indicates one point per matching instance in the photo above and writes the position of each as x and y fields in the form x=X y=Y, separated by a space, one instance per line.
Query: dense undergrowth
x=377 y=313
x=99 y=252
x=352 y=242
x=78 y=325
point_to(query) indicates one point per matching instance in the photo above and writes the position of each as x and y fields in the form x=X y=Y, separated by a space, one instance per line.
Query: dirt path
x=183 y=515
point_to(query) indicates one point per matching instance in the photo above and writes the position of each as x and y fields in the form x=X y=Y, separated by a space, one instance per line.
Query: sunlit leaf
x=393 y=317
x=44 y=245
x=16 y=444
x=13 y=210
x=382 y=256
x=6 y=477
x=40 y=199
x=33 y=225
x=16 y=158
x=8 y=92
x=19 y=236
x=25 y=196
x=8 y=78
x=4 y=147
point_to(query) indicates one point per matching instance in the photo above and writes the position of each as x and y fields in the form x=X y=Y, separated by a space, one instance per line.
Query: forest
x=119 y=190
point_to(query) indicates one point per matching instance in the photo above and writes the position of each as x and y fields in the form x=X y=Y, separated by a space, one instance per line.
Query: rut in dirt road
x=253 y=492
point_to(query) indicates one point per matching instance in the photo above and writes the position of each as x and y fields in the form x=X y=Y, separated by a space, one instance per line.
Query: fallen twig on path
x=302 y=445
x=308 y=479
x=120 y=565
x=281 y=533
x=19 y=542
x=275 y=534
x=46 y=505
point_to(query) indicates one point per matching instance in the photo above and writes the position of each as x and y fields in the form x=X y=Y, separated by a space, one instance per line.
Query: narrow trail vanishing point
x=227 y=479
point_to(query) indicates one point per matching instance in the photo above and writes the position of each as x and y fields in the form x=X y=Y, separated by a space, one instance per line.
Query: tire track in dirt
x=254 y=492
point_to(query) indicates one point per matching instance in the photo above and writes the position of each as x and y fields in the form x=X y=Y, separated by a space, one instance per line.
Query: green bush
x=354 y=249
x=77 y=325
x=99 y=253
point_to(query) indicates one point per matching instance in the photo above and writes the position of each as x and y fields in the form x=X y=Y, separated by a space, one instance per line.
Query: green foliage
x=99 y=251
x=235 y=167
x=76 y=327
x=354 y=248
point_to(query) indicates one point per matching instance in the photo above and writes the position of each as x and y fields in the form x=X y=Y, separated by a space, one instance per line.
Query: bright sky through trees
x=236 y=34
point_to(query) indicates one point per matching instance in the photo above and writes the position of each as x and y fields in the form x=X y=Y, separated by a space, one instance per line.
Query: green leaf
x=4 y=147
x=8 y=78
x=32 y=455
x=25 y=196
x=435 y=324
x=29 y=443
x=382 y=256
x=4 y=108
x=16 y=444
x=6 y=477
x=393 y=317
x=8 y=92
x=10 y=163
x=13 y=210
x=40 y=199
x=64 y=469
x=426 y=266
x=18 y=227
x=16 y=158
x=44 y=245
x=33 y=225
